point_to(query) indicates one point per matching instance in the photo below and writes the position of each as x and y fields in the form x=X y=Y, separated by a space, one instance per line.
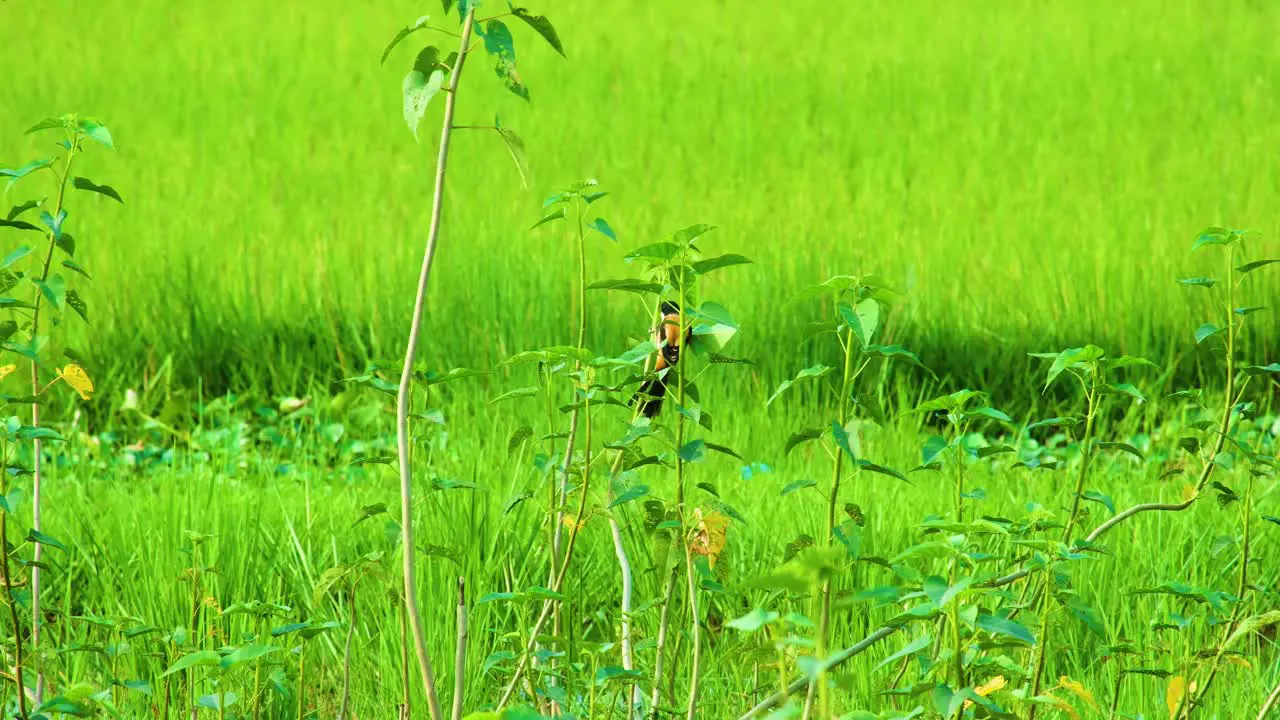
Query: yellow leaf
x=1064 y=706
x=1188 y=492
x=987 y=688
x=1240 y=661
x=77 y=378
x=1173 y=694
x=1075 y=688
x=6 y=370
x=568 y=522
x=710 y=534
x=991 y=686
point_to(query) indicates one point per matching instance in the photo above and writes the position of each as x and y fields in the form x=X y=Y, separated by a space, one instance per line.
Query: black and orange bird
x=666 y=334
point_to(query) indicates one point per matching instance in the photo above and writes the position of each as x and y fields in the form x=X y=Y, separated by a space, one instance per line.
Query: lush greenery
x=882 y=455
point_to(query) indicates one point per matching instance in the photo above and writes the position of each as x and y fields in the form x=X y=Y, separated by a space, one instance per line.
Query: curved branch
x=799 y=684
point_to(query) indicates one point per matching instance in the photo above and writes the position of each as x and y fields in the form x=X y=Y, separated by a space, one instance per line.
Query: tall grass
x=1027 y=173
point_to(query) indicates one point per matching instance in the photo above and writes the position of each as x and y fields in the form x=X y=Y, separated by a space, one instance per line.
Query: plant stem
x=1272 y=700
x=8 y=589
x=346 y=655
x=664 y=623
x=833 y=502
x=460 y=658
x=558 y=581
x=624 y=568
x=36 y=445
x=826 y=666
x=695 y=626
x=1086 y=455
x=1242 y=587
x=958 y=650
x=406 y=378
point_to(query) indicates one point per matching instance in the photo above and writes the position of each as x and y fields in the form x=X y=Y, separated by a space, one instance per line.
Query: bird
x=667 y=335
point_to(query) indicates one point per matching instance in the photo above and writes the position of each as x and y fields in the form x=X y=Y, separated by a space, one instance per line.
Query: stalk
x=36 y=445
x=406 y=377
x=833 y=501
x=664 y=623
x=460 y=657
x=1086 y=455
x=8 y=588
x=558 y=581
x=958 y=659
x=346 y=656
x=1272 y=700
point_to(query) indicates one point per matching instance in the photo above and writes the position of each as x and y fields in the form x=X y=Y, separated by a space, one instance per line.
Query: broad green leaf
x=692 y=451
x=203 y=658
x=702 y=267
x=18 y=253
x=97 y=132
x=723 y=450
x=246 y=654
x=688 y=235
x=660 y=252
x=910 y=648
x=897 y=352
x=369 y=511
x=843 y=441
x=881 y=469
x=990 y=413
x=863 y=319
x=1054 y=422
x=1206 y=331
x=542 y=26
x=52 y=123
x=1095 y=496
x=524 y=392
x=18 y=225
x=932 y=450
x=499 y=43
x=28 y=432
x=1199 y=281
x=814 y=371
x=634 y=492
x=515 y=146
x=635 y=285
x=801 y=437
x=753 y=620
x=557 y=214
x=1122 y=447
x=432 y=377
x=1249 y=310
x=90 y=186
x=36 y=536
x=218 y=701
x=1262 y=369
x=1250 y=267
x=1069 y=358
x=1124 y=389
x=16 y=174
x=601 y=226
x=404 y=33
x=1003 y=626
x=797 y=485
x=1214 y=236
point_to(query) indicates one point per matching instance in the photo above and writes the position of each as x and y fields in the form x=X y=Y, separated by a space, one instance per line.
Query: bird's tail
x=650 y=395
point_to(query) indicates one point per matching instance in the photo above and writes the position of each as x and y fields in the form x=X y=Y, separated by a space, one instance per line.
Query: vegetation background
x=1030 y=176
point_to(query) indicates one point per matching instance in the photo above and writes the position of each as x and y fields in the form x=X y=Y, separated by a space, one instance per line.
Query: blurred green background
x=1030 y=176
